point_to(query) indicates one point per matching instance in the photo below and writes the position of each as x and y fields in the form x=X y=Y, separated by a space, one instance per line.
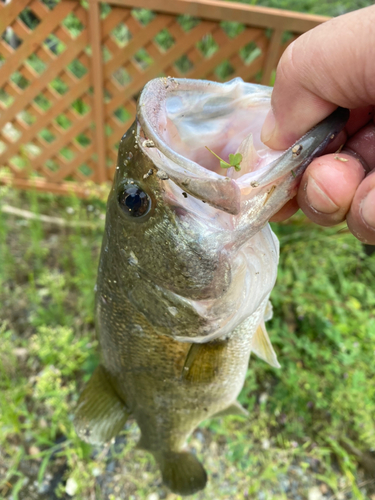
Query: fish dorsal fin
x=262 y=347
x=203 y=362
x=234 y=409
x=100 y=413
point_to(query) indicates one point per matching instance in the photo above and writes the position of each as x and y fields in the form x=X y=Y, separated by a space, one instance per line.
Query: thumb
x=329 y=66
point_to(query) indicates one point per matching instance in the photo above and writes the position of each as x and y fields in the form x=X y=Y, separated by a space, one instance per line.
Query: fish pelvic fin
x=100 y=414
x=234 y=409
x=182 y=472
x=262 y=347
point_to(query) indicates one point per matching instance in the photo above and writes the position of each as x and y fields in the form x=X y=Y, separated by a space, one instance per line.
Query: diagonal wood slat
x=161 y=62
x=47 y=117
x=71 y=51
x=46 y=26
x=136 y=43
x=10 y=11
x=70 y=79
x=232 y=46
x=63 y=141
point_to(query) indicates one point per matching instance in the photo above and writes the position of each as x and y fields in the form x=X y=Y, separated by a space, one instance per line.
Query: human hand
x=329 y=66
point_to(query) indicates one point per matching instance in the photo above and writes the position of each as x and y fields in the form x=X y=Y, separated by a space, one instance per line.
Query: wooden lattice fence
x=71 y=71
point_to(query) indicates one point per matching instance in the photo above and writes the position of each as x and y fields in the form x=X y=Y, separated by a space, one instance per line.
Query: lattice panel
x=46 y=109
x=58 y=123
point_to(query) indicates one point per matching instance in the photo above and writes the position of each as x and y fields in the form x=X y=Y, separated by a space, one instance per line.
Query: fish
x=187 y=265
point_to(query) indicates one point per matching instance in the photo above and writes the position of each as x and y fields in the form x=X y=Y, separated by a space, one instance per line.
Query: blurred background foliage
x=311 y=432
x=327 y=8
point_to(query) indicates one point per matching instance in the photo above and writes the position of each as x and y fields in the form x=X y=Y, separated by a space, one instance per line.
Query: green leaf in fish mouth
x=234 y=160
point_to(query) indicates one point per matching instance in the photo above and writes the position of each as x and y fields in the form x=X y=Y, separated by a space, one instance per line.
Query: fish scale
x=187 y=265
x=149 y=356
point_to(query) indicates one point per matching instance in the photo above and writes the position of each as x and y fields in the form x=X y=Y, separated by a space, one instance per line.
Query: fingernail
x=268 y=127
x=368 y=209
x=318 y=199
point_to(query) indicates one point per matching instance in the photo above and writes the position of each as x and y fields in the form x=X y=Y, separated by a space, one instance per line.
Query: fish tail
x=182 y=472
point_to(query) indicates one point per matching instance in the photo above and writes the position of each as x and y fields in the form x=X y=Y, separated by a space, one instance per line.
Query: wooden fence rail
x=70 y=75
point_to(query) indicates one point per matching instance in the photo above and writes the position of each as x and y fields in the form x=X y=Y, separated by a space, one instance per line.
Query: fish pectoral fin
x=100 y=414
x=182 y=472
x=203 y=362
x=234 y=409
x=262 y=347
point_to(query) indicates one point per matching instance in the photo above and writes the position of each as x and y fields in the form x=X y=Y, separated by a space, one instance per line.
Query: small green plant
x=234 y=160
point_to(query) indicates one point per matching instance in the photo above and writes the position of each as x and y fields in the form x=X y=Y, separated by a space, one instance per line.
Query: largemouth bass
x=187 y=265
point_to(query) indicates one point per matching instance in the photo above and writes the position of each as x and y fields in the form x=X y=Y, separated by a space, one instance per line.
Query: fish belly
x=171 y=386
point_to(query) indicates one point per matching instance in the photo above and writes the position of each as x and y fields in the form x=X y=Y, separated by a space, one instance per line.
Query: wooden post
x=98 y=85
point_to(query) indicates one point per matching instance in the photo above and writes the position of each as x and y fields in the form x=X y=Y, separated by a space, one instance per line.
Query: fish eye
x=133 y=201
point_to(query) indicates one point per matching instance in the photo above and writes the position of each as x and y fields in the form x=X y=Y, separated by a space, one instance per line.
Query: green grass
x=311 y=422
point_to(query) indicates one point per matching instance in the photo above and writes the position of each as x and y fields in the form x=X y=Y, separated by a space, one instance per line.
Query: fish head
x=149 y=232
x=186 y=224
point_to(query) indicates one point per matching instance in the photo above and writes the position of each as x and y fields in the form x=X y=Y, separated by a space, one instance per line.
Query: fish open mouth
x=183 y=118
x=185 y=125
